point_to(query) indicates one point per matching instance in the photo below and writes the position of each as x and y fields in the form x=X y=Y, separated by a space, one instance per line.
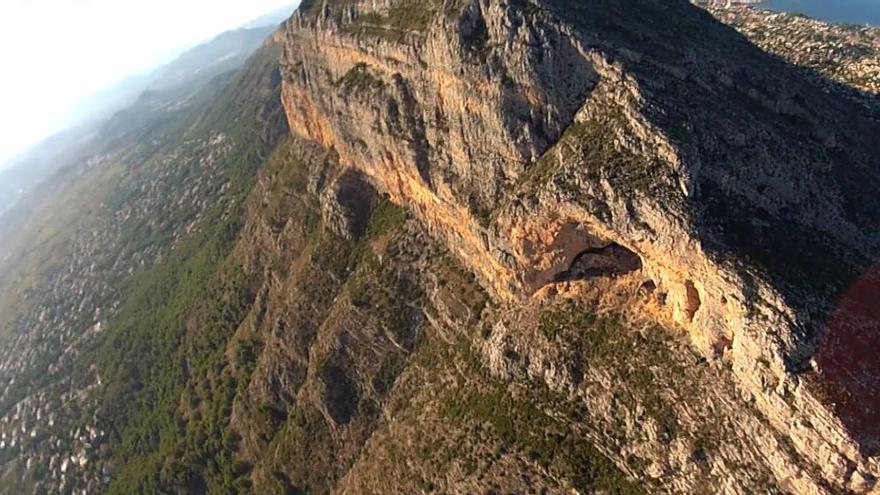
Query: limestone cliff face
x=546 y=142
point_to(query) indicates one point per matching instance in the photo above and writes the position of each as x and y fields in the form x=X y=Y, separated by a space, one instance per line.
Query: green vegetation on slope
x=169 y=389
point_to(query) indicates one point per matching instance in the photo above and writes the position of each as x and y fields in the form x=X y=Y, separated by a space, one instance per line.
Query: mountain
x=92 y=242
x=546 y=144
x=196 y=65
x=164 y=86
x=492 y=246
x=226 y=52
x=275 y=17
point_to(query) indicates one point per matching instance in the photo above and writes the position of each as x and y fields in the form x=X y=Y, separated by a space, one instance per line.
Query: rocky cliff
x=557 y=148
x=511 y=246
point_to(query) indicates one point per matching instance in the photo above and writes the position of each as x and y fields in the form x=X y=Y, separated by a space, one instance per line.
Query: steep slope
x=512 y=246
x=532 y=136
x=106 y=235
x=829 y=53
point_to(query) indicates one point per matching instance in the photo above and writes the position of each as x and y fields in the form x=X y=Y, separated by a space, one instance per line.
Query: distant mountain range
x=275 y=17
x=225 y=52
x=186 y=74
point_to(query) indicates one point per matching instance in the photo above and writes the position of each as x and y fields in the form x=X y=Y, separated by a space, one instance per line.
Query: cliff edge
x=553 y=147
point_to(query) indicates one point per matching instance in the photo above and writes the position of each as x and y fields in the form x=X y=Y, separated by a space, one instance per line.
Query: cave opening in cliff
x=612 y=260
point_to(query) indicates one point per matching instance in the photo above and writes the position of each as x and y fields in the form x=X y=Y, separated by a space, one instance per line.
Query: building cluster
x=841 y=57
x=49 y=429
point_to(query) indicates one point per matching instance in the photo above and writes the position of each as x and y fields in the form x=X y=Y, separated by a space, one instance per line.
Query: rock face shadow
x=340 y=394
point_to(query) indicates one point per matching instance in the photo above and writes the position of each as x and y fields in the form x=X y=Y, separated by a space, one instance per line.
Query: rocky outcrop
x=346 y=203
x=527 y=133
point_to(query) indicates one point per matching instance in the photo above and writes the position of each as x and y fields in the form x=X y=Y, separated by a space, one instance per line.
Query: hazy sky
x=54 y=52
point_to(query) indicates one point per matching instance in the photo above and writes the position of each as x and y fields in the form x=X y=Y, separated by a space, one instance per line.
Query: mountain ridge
x=654 y=115
x=465 y=246
x=163 y=85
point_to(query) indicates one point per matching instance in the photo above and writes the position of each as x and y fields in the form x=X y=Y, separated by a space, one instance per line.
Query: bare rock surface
x=511 y=246
x=523 y=134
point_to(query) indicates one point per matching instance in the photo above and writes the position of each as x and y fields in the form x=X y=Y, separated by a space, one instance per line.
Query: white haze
x=55 y=52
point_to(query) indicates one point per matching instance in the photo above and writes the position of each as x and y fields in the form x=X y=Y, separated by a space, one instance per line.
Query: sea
x=864 y=12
